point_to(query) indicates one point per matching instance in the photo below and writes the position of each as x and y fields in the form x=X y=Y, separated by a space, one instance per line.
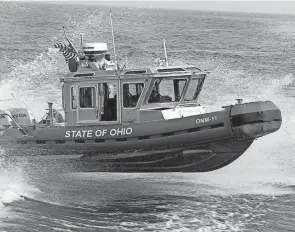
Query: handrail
x=20 y=129
x=188 y=104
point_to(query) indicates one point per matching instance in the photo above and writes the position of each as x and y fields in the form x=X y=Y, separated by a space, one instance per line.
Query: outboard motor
x=23 y=116
x=4 y=119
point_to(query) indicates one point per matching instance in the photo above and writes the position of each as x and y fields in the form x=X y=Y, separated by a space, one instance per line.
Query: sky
x=280 y=7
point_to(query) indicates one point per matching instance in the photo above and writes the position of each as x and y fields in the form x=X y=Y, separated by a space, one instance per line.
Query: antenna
x=113 y=38
x=166 y=58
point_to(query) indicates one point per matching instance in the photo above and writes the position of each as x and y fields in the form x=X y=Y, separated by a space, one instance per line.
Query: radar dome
x=94 y=48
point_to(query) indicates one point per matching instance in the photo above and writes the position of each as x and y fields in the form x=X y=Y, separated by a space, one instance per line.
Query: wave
x=13 y=182
x=13 y=187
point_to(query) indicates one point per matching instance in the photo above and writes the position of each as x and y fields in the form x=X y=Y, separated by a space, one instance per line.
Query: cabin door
x=88 y=103
x=108 y=103
x=99 y=103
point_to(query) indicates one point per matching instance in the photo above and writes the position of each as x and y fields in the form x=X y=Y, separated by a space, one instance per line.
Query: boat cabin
x=131 y=96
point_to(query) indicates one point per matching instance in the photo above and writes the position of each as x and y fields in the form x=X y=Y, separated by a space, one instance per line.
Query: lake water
x=251 y=56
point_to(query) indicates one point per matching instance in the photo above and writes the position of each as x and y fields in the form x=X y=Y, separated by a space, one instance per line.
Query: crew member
x=127 y=97
x=97 y=62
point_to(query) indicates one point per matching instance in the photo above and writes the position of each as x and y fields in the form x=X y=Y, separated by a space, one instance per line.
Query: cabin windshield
x=192 y=93
x=131 y=94
x=167 y=90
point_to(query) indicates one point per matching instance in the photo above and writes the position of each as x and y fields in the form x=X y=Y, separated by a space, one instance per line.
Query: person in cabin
x=127 y=97
x=155 y=96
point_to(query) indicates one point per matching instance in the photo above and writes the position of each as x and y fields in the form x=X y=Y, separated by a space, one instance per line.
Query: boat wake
x=9 y=197
x=13 y=185
x=27 y=82
x=11 y=192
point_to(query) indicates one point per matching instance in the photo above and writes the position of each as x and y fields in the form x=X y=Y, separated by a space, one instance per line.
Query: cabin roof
x=84 y=75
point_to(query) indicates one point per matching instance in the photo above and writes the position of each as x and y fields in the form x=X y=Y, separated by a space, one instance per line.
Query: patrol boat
x=138 y=120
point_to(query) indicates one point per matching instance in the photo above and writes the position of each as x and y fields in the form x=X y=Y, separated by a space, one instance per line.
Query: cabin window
x=167 y=90
x=191 y=93
x=63 y=96
x=131 y=94
x=74 y=97
x=87 y=97
x=170 y=70
x=135 y=72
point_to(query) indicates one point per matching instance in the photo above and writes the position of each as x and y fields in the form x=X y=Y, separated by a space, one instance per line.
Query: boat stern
x=255 y=119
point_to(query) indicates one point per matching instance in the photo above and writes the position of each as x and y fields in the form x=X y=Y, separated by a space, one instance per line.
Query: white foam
x=34 y=83
x=9 y=196
x=13 y=185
